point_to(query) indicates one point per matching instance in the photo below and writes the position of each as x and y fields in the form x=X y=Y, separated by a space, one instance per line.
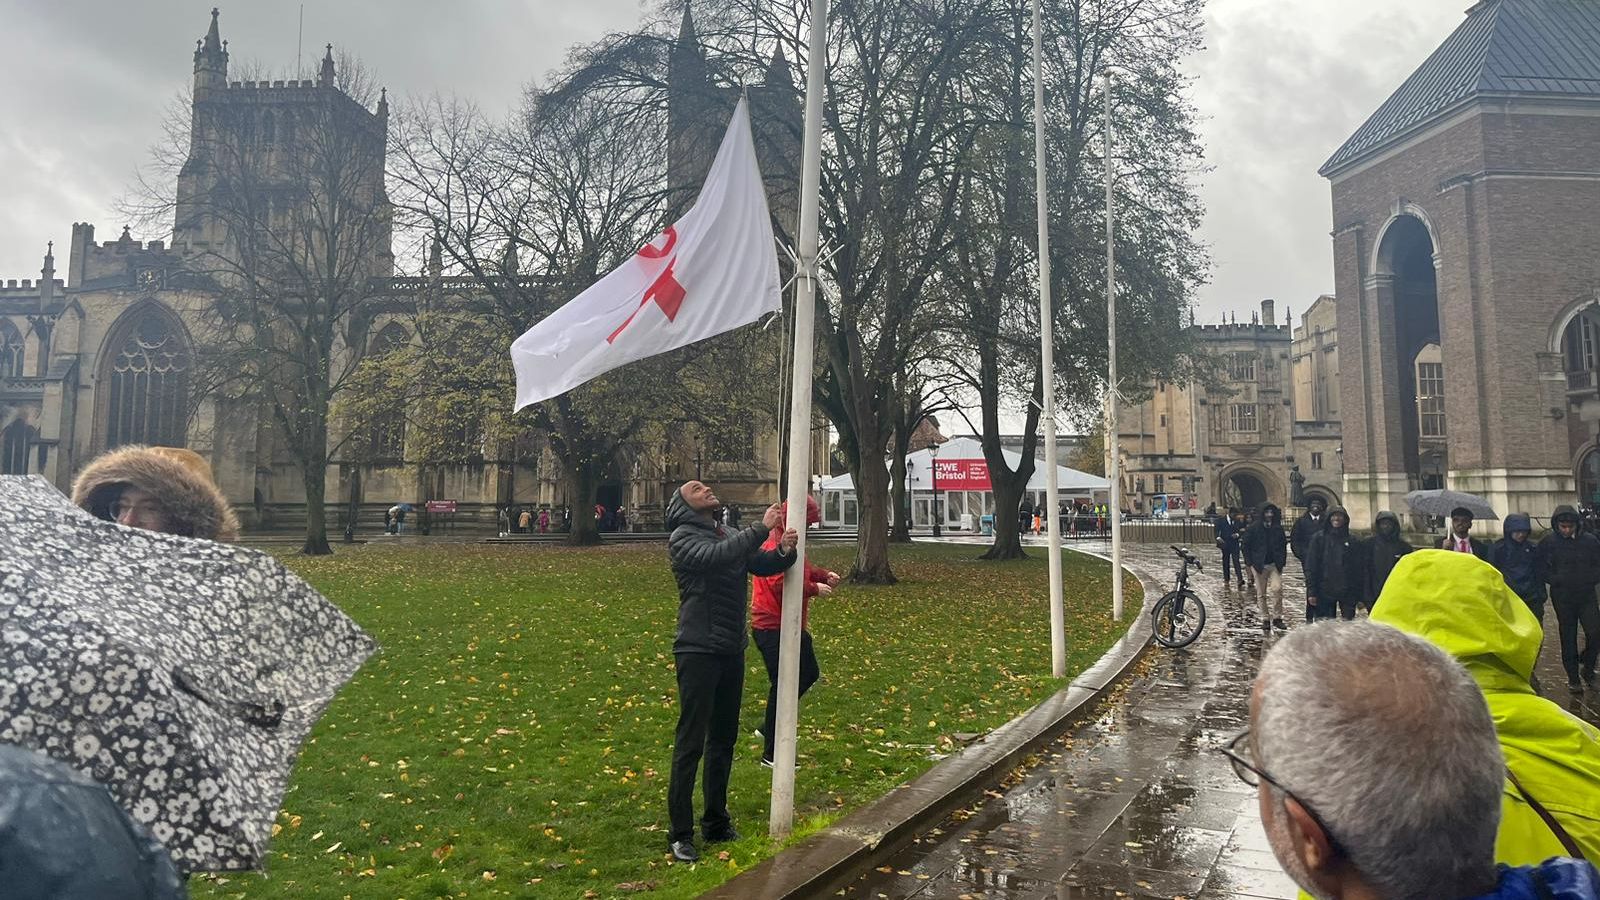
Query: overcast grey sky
x=1281 y=84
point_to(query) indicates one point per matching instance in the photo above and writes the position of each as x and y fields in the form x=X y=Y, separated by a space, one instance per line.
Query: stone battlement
x=27 y=285
x=291 y=84
x=1242 y=328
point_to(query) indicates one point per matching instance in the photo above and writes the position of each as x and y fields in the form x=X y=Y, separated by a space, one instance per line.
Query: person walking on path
x=525 y=521
x=544 y=521
x=1334 y=829
x=1460 y=538
x=1517 y=558
x=1306 y=527
x=1228 y=535
x=766 y=621
x=165 y=489
x=712 y=567
x=1266 y=553
x=1382 y=551
x=1465 y=608
x=1570 y=561
x=1334 y=569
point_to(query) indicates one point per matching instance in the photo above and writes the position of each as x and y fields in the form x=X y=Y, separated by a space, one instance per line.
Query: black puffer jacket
x=1333 y=562
x=1383 y=551
x=713 y=567
x=1571 y=565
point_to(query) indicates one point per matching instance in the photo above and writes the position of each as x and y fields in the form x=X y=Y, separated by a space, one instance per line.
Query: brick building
x=1466 y=231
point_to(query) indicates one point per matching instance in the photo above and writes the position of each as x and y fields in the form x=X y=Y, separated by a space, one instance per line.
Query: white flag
x=710 y=272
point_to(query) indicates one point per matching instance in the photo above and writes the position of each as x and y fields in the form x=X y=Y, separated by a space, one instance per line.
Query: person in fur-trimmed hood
x=165 y=489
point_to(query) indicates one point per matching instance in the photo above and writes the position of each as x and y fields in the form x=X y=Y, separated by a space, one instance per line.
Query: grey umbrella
x=1441 y=503
x=182 y=674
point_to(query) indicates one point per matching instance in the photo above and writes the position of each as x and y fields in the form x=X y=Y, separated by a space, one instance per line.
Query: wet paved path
x=1137 y=802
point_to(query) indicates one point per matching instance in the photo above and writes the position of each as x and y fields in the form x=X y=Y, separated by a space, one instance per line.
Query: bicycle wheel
x=1178 y=618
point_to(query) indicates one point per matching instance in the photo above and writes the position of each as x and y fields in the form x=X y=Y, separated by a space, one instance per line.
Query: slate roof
x=1505 y=47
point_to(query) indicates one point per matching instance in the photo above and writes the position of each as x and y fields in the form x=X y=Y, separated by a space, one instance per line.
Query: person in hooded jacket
x=1517 y=558
x=1266 y=552
x=165 y=489
x=1381 y=552
x=1306 y=527
x=1465 y=608
x=766 y=624
x=712 y=567
x=63 y=837
x=1334 y=570
x=1570 y=561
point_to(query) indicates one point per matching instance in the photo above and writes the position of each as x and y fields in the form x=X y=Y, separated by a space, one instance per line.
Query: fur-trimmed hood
x=194 y=506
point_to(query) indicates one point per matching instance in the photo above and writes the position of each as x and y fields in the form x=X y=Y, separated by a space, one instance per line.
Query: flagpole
x=1112 y=398
x=1058 y=623
x=783 y=768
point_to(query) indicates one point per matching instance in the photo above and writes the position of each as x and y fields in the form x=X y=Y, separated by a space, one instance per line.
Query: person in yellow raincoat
x=1463 y=606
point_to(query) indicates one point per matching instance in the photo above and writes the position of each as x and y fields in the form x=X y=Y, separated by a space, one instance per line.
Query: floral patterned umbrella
x=183 y=674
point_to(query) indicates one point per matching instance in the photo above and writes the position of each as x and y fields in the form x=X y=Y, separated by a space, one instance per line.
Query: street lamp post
x=933 y=464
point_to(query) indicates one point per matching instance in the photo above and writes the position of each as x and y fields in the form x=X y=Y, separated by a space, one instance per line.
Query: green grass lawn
x=514 y=735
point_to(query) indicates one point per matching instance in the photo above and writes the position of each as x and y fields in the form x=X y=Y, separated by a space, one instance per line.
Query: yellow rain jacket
x=1462 y=605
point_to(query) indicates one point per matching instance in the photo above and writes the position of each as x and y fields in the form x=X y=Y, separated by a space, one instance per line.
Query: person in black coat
x=1335 y=577
x=1229 y=534
x=712 y=567
x=1306 y=527
x=1460 y=538
x=1381 y=552
x=1266 y=552
x=1570 y=560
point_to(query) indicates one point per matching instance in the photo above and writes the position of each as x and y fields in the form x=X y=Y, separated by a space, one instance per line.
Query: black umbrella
x=1441 y=503
x=183 y=674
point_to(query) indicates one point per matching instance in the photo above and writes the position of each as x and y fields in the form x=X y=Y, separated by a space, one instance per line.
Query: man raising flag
x=710 y=272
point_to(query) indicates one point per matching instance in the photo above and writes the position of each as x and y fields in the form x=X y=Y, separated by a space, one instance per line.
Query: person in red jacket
x=766 y=616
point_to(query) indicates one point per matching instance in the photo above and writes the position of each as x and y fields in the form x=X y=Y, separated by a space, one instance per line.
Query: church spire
x=686 y=67
x=778 y=72
x=383 y=102
x=211 y=59
x=325 y=79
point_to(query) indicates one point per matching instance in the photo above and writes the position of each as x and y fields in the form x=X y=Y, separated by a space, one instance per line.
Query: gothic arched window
x=288 y=126
x=386 y=433
x=269 y=131
x=146 y=380
x=12 y=350
x=14 y=441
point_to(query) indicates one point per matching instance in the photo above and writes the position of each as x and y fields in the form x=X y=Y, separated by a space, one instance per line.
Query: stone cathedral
x=99 y=354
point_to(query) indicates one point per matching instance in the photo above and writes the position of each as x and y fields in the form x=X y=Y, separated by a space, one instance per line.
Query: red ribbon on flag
x=665 y=290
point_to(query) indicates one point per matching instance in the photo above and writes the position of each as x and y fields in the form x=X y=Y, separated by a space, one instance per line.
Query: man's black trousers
x=710 y=687
x=1575 y=607
x=767 y=642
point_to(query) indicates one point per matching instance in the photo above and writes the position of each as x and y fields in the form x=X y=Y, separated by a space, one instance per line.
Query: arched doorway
x=1244 y=490
x=1406 y=255
x=15 y=441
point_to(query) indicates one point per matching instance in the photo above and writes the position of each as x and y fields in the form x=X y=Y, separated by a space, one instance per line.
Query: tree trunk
x=314 y=475
x=1007 y=533
x=897 y=489
x=584 y=482
x=872 y=541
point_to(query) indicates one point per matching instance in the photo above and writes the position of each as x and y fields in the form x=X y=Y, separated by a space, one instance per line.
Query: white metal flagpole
x=1058 y=615
x=783 y=759
x=1112 y=398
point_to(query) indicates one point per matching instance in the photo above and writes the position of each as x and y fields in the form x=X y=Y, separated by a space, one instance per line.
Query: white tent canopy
x=961 y=450
x=963 y=482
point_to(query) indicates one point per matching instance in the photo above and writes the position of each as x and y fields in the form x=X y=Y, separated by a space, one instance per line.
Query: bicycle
x=1179 y=615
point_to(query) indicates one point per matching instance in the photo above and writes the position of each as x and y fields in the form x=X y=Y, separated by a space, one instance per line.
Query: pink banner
x=962 y=474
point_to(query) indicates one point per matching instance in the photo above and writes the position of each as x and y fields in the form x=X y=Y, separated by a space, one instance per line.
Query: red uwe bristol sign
x=441 y=506
x=962 y=474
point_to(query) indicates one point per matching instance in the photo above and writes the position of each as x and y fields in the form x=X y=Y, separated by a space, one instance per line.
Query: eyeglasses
x=1238 y=749
x=146 y=509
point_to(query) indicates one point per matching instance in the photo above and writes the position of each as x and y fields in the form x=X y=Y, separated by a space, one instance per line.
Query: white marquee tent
x=963 y=483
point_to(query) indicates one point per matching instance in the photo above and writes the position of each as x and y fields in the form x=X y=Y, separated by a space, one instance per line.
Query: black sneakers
x=1280 y=624
x=684 y=852
x=725 y=836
